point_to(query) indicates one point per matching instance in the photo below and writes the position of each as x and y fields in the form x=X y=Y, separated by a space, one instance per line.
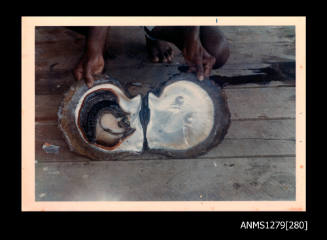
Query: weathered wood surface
x=255 y=161
x=57 y=52
x=260 y=44
x=174 y=180
x=259 y=138
x=265 y=103
x=57 y=49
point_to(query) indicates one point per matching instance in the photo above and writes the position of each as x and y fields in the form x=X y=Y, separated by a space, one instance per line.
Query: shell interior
x=180 y=118
x=108 y=120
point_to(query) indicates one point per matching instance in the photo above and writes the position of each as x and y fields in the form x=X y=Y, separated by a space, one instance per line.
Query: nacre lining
x=180 y=118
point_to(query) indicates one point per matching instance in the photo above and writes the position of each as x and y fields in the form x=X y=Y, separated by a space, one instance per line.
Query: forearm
x=96 y=39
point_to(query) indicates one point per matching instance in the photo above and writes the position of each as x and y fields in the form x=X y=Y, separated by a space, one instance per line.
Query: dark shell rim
x=77 y=144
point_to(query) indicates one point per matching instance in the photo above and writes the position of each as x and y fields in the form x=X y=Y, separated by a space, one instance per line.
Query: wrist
x=94 y=51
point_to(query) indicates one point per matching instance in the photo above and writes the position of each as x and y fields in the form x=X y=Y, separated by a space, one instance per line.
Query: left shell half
x=102 y=122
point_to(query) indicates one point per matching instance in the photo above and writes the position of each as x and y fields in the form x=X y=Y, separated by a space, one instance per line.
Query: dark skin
x=204 y=48
x=92 y=61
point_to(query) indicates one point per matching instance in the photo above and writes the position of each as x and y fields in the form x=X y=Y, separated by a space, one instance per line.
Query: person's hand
x=89 y=65
x=198 y=59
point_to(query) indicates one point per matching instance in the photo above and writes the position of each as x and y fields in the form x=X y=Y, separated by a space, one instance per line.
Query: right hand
x=198 y=59
x=89 y=65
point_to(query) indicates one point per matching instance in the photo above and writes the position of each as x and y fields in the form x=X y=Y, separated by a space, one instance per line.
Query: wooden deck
x=255 y=161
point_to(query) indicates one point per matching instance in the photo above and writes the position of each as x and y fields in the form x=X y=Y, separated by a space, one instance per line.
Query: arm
x=92 y=61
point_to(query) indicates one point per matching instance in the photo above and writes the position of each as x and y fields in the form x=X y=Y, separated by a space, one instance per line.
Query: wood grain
x=175 y=180
x=245 y=138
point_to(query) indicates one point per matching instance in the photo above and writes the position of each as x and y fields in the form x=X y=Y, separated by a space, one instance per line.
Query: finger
x=171 y=57
x=78 y=73
x=170 y=54
x=199 y=70
x=208 y=62
x=98 y=70
x=162 y=57
x=89 y=80
x=208 y=66
x=166 y=56
x=154 y=56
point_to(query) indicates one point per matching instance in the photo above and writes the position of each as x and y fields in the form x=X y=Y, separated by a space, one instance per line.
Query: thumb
x=199 y=70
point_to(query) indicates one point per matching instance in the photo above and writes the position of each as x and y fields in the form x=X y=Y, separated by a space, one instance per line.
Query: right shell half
x=187 y=117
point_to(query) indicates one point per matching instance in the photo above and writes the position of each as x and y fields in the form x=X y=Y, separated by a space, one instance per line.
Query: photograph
x=132 y=113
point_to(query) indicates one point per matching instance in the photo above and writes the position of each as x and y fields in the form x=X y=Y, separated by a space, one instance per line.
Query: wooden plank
x=51 y=134
x=276 y=84
x=264 y=103
x=63 y=154
x=45 y=34
x=233 y=148
x=57 y=51
x=244 y=138
x=261 y=33
x=46 y=107
x=247 y=103
x=176 y=180
x=57 y=48
x=261 y=52
x=53 y=82
x=260 y=43
x=262 y=129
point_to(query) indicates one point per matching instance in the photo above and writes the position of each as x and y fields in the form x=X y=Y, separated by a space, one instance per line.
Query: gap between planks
x=167 y=159
x=52 y=122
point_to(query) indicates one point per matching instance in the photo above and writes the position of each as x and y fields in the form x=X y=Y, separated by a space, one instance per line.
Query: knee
x=221 y=54
x=214 y=41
